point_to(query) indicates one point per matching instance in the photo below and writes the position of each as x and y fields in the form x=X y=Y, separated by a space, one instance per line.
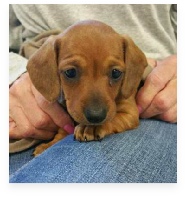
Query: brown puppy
x=97 y=72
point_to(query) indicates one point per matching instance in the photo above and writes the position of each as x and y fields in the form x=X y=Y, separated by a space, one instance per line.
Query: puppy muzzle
x=95 y=115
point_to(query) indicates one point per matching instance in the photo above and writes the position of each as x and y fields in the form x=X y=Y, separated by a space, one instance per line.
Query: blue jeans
x=147 y=154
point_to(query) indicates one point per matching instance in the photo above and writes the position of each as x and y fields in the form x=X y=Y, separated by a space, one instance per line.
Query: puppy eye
x=71 y=73
x=116 y=74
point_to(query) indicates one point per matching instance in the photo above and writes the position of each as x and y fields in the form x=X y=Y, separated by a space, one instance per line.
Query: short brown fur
x=94 y=50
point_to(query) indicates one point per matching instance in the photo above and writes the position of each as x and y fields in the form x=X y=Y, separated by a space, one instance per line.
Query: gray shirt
x=152 y=27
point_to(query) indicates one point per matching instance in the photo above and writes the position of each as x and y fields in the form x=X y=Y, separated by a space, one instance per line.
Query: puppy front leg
x=126 y=118
x=40 y=148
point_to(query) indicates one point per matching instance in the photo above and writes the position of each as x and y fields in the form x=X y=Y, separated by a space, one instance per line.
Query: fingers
x=37 y=117
x=12 y=124
x=163 y=102
x=27 y=120
x=158 y=97
x=168 y=115
x=56 y=112
x=20 y=127
x=155 y=82
x=28 y=131
x=31 y=115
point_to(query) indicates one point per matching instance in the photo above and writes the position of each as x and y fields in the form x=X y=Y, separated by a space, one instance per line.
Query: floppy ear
x=135 y=62
x=43 y=71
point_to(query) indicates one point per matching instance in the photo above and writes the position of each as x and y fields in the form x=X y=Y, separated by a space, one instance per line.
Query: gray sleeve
x=17 y=63
x=15 y=31
x=17 y=66
x=173 y=15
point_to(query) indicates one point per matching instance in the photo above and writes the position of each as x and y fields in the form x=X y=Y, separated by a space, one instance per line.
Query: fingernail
x=69 y=128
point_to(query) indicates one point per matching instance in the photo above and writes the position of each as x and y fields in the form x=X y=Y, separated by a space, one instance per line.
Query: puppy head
x=91 y=65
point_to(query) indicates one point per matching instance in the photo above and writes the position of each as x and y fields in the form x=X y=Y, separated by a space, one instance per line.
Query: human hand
x=31 y=115
x=158 y=97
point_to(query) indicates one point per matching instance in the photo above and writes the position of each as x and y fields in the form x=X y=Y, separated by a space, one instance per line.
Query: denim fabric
x=17 y=160
x=147 y=154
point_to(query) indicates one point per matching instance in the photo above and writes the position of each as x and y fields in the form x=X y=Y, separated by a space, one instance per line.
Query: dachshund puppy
x=97 y=72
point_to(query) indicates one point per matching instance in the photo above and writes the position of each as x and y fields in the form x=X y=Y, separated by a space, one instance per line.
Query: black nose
x=95 y=115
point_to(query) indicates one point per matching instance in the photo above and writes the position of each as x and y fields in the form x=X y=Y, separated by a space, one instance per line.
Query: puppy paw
x=90 y=133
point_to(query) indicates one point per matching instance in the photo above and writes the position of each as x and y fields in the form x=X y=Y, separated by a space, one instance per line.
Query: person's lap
x=146 y=154
x=17 y=160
